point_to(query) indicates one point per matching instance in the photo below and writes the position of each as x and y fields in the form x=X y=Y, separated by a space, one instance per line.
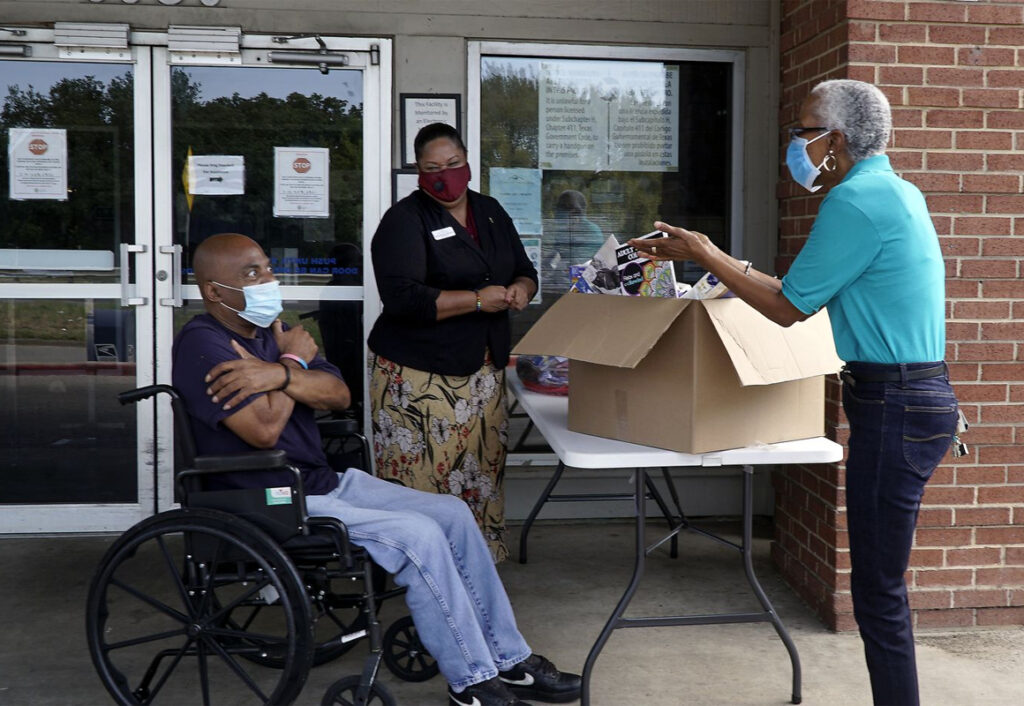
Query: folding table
x=550 y=416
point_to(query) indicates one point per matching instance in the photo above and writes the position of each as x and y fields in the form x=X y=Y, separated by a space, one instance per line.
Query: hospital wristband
x=297 y=359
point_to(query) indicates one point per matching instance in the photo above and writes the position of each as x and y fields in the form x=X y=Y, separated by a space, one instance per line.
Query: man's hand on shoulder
x=233 y=381
x=296 y=340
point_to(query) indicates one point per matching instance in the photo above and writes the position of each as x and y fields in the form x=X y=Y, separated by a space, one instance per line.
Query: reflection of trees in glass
x=252 y=127
x=98 y=117
x=625 y=203
x=508 y=114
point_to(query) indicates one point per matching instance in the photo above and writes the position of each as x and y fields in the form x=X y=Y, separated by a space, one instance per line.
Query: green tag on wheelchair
x=279 y=496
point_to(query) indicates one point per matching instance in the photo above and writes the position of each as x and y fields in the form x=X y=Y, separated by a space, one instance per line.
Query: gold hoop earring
x=831 y=163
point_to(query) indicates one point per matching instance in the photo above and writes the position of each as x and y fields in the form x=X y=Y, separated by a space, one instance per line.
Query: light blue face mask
x=801 y=168
x=262 y=302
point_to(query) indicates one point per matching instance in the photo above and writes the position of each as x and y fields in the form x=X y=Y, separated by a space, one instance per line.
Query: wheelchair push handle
x=144 y=393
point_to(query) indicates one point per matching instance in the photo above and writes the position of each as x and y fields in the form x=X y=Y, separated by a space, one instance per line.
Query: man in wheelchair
x=249 y=381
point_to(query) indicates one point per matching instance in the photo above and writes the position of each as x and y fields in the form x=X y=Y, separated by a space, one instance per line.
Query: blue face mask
x=262 y=302
x=801 y=168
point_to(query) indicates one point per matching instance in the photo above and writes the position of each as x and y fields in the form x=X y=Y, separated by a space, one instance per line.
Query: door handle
x=128 y=289
x=175 y=252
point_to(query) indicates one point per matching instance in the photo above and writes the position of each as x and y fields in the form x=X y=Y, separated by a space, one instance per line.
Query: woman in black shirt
x=449 y=266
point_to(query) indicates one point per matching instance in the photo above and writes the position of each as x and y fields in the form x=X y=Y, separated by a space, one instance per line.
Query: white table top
x=550 y=414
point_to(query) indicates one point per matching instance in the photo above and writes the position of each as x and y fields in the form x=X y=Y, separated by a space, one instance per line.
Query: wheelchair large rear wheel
x=159 y=612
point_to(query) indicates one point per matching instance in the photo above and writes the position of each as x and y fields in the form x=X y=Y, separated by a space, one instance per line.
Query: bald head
x=224 y=265
x=216 y=257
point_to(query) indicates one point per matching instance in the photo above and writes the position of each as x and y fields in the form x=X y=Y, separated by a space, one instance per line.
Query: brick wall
x=954 y=73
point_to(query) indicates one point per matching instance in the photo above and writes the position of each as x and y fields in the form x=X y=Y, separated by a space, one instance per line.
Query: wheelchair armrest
x=336 y=528
x=142 y=393
x=337 y=427
x=249 y=461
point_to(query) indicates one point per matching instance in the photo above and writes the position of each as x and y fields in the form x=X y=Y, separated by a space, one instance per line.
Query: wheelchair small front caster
x=405 y=655
x=343 y=693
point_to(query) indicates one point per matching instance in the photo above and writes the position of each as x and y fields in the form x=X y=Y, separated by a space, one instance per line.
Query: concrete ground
x=562 y=598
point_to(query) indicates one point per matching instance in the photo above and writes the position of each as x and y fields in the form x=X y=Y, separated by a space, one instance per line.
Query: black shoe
x=536 y=678
x=487 y=693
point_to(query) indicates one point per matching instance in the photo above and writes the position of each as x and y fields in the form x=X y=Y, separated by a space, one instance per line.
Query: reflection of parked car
x=110 y=335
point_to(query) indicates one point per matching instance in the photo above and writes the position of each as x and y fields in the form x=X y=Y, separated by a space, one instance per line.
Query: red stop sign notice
x=38 y=146
x=301 y=165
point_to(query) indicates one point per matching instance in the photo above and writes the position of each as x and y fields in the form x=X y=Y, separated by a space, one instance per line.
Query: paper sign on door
x=216 y=174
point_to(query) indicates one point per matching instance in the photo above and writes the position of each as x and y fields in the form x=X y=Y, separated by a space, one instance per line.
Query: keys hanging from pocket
x=959 y=447
x=961 y=422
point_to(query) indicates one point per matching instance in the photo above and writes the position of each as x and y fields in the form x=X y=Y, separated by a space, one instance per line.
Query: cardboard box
x=691 y=376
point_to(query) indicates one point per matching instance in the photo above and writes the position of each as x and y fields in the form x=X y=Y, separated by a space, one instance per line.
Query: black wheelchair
x=235 y=596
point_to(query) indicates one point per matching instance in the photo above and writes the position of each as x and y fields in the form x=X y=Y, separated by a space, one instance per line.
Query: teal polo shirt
x=873 y=260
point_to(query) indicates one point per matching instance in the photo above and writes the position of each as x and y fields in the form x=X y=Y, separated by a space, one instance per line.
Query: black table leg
x=640 y=505
x=669 y=517
x=748 y=568
x=672 y=491
x=536 y=510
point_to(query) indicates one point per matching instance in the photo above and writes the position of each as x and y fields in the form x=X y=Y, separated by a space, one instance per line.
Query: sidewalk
x=562 y=598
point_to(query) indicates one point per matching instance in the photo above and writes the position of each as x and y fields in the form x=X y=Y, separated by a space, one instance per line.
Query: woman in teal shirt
x=873 y=261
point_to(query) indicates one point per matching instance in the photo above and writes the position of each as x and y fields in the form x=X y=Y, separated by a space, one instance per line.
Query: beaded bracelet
x=479 y=305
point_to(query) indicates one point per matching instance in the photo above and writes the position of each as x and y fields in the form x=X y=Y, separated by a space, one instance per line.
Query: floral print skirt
x=444 y=434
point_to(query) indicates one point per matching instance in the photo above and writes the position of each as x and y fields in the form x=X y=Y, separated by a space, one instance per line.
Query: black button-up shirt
x=420 y=250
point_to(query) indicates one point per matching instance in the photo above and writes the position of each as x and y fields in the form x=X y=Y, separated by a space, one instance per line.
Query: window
x=582 y=143
x=247 y=112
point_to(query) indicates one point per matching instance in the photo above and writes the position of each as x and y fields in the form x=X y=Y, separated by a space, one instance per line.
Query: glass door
x=288 y=143
x=75 y=238
x=99 y=217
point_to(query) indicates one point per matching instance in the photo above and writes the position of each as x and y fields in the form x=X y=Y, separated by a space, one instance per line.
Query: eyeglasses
x=799 y=130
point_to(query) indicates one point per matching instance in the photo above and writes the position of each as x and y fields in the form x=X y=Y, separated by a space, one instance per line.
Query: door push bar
x=175 y=299
x=128 y=290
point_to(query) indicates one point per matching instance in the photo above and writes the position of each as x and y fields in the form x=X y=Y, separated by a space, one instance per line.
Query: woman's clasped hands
x=497 y=298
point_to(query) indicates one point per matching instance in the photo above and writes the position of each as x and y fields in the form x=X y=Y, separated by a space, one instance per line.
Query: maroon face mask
x=446 y=185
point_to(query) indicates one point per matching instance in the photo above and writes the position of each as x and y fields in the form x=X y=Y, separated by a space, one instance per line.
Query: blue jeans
x=433 y=547
x=899 y=432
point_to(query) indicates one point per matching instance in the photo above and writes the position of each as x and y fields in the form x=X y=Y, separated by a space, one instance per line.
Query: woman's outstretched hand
x=678 y=244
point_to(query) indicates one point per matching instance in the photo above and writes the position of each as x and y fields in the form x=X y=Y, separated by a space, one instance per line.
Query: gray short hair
x=858 y=110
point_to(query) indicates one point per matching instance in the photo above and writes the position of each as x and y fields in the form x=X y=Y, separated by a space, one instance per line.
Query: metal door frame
x=98 y=517
x=373 y=57
x=152 y=58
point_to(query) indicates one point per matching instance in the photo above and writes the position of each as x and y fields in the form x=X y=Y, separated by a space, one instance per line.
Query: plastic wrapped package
x=548 y=374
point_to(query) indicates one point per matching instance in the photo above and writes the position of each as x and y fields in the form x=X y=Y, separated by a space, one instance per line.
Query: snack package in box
x=601 y=274
x=614 y=269
x=640 y=276
x=707 y=287
x=576 y=281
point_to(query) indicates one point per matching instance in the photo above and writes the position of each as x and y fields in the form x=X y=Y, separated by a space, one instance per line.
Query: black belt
x=933 y=371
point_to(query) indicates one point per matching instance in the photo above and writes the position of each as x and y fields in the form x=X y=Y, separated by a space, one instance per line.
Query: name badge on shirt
x=442 y=233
